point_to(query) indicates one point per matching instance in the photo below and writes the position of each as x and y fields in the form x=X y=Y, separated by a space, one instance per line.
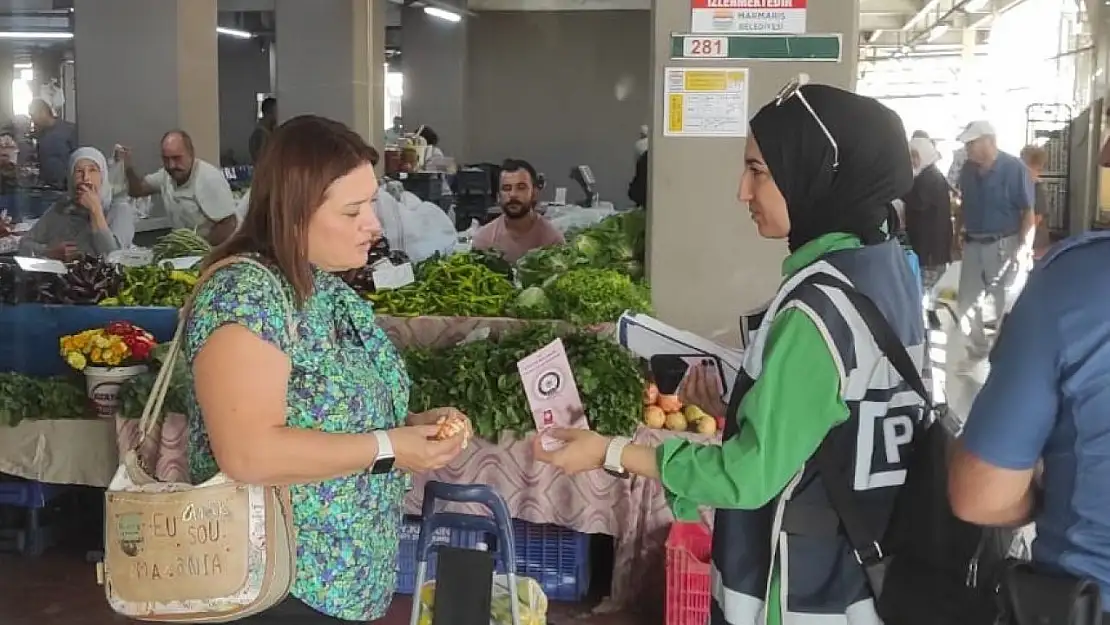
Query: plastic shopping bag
x=419 y=229
x=567 y=218
x=529 y=594
x=117 y=177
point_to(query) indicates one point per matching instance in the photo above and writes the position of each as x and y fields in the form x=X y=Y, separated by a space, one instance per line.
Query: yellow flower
x=76 y=360
x=96 y=355
x=102 y=342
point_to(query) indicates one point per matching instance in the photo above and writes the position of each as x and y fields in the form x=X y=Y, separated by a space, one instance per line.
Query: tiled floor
x=60 y=589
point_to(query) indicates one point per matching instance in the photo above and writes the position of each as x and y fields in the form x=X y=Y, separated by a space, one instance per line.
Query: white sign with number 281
x=705 y=47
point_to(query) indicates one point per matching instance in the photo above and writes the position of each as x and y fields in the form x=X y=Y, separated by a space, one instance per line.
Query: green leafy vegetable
x=532 y=303
x=617 y=242
x=23 y=397
x=134 y=393
x=482 y=380
x=590 y=296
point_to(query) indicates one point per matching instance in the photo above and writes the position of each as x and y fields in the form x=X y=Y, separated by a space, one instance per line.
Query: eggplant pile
x=20 y=287
x=88 y=281
x=362 y=279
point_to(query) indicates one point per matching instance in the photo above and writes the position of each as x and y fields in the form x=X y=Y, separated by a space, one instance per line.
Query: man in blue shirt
x=1047 y=401
x=997 y=205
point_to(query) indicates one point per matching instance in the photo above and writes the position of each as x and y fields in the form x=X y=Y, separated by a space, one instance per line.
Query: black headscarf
x=874 y=168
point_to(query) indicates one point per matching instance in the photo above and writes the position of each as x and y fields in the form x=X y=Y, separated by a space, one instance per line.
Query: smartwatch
x=612 y=464
x=384 y=462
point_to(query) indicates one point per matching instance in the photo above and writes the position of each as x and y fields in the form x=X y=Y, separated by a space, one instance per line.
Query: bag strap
x=881 y=330
x=863 y=539
x=152 y=411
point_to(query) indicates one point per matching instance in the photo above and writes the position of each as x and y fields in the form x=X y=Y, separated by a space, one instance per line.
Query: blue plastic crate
x=26 y=494
x=556 y=557
x=406 y=553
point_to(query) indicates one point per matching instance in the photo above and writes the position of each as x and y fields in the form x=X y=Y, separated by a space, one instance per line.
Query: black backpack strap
x=884 y=334
x=863 y=538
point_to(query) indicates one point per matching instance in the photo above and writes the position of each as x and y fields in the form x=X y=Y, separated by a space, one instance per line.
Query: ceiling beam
x=930 y=6
x=999 y=8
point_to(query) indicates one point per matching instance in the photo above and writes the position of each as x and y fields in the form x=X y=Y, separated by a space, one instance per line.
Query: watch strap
x=613 y=453
x=384 y=462
x=385 y=446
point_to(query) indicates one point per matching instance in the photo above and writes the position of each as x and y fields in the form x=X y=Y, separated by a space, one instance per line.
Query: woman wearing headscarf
x=929 y=212
x=813 y=178
x=86 y=222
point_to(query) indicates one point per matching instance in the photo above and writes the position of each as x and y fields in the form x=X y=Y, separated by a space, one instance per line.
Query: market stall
x=462 y=323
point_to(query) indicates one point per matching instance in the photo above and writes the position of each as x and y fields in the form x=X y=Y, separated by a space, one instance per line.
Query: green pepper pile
x=153 y=285
x=23 y=397
x=460 y=285
x=481 y=379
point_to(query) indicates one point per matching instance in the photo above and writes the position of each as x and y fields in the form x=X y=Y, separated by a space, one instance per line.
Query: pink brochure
x=552 y=393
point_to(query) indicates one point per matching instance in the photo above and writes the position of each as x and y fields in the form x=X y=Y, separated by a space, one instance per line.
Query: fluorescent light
x=45 y=34
x=24 y=66
x=17 y=34
x=443 y=14
x=975 y=6
x=235 y=32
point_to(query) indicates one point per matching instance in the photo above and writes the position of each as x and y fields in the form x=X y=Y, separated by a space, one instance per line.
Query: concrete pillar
x=7 y=75
x=133 y=98
x=434 y=62
x=331 y=62
x=706 y=261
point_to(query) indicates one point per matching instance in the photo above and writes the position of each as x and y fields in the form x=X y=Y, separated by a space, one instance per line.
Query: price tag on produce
x=393 y=277
x=41 y=265
x=705 y=47
x=132 y=257
x=185 y=262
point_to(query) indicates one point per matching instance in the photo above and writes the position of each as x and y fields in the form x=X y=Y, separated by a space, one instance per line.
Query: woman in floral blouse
x=321 y=403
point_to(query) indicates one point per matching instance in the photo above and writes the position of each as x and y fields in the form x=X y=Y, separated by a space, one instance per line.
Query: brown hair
x=303 y=157
x=1034 y=156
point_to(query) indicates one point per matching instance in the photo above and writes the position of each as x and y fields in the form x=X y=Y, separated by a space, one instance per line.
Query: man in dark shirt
x=263 y=129
x=56 y=139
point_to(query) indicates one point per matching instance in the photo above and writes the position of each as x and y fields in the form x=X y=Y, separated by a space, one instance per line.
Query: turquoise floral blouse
x=346 y=377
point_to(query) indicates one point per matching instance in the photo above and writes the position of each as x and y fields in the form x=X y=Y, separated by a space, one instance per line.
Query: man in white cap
x=999 y=224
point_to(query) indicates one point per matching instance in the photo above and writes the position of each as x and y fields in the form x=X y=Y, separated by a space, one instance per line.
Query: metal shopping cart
x=498 y=530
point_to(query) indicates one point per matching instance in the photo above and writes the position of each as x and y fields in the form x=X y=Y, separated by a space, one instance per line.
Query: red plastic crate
x=689 y=546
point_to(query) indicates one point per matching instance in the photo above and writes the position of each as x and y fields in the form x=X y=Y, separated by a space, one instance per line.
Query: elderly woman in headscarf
x=86 y=222
x=814 y=377
x=929 y=212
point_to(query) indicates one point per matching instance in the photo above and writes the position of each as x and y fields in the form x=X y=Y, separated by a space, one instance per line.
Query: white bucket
x=102 y=385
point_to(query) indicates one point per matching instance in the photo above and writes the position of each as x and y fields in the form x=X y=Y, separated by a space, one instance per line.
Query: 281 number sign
x=705 y=47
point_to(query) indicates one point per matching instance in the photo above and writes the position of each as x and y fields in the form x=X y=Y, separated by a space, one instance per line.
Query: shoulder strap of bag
x=863 y=538
x=152 y=411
